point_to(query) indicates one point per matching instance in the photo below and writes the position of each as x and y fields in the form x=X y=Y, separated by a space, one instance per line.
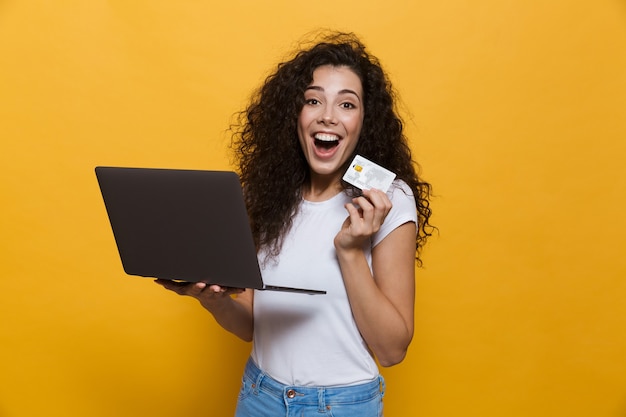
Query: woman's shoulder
x=400 y=189
x=403 y=209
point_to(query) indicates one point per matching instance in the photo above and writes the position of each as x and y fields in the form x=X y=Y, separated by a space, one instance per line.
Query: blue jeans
x=262 y=396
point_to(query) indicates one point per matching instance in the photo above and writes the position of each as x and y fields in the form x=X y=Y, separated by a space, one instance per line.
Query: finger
x=382 y=205
x=182 y=288
x=355 y=224
x=231 y=290
x=354 y=212
x=366 y=209
x=196 y=289
x=176 y=286
x=215 y=288
x=378 y=198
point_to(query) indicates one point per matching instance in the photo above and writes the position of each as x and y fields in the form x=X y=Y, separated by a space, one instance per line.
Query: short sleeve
x=404 y=210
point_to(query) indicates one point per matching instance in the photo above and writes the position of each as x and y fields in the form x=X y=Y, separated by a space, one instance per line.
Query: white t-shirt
x=313 y=340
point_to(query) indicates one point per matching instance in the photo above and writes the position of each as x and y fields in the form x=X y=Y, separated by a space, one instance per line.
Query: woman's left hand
x=366 y=214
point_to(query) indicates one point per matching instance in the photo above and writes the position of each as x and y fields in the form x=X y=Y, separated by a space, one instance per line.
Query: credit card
x=365 y=174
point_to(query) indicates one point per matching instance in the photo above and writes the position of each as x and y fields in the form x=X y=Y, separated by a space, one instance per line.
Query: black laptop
x=184 y=225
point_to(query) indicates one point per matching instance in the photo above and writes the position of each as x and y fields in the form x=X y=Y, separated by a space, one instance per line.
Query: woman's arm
x=382 y=302
x=234 y=314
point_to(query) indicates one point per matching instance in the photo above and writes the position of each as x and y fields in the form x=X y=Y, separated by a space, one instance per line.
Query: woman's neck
x=321 y=188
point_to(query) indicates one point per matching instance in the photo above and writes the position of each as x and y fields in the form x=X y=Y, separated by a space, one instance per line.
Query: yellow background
x=516 y=110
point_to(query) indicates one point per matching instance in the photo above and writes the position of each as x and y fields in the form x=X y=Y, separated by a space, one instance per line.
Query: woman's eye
x=348 y=105
x=312 y=101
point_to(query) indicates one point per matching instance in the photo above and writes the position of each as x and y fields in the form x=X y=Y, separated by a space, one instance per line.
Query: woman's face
x=330 y=122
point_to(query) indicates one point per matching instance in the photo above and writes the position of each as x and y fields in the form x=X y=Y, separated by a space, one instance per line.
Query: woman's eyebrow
x=344 y=91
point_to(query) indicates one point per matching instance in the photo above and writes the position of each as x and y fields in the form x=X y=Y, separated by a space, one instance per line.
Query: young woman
x=315 y=354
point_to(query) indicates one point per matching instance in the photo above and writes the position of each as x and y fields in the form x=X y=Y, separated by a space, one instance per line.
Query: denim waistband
x=313 y=395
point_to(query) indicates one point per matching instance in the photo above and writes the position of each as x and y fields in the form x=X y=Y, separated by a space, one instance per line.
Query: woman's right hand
x=206 y=294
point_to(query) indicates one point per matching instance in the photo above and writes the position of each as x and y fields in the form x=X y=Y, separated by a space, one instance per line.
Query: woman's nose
x=328 y=116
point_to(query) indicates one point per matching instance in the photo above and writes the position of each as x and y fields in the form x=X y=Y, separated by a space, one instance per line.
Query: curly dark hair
x=271 y=163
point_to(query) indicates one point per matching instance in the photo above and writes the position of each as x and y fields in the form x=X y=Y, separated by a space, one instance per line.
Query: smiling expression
x=330 y=122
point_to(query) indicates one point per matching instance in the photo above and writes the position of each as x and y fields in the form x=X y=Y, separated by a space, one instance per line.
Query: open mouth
x=326 y=141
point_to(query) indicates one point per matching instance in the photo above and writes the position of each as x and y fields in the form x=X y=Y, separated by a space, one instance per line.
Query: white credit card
x=365 y=174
